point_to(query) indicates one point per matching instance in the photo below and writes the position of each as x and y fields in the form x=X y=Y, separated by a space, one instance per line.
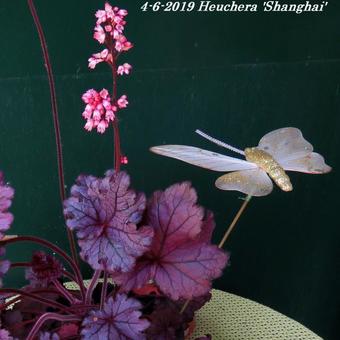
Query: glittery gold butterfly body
x=266 y=162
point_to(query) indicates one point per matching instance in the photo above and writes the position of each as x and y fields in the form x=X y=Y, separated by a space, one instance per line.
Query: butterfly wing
x=251 y=182
x=203 y=158
x=313 y=163
x=293 y=152
x=284 y=144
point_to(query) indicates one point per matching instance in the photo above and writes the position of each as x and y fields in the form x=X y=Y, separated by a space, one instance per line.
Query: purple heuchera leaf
x=45 y=269
x=104 y=213
x=119 y=319
x=6 y=196
x=181 y=261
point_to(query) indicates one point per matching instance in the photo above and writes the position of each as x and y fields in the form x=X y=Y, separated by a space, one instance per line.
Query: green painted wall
x=236 y=76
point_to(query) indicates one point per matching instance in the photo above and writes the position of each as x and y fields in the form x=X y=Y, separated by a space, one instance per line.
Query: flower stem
x=117 y=145
x=37 y=298
x=92 y=286
x=117 y=152
x=50 y=316
x=64 y=292
x=54 y=105
x=104 y=290
x=225 y=237
x=56 y=249
x=233 y=223
x=13 y=298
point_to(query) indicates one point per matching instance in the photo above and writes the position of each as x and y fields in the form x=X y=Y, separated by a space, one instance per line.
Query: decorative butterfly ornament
x=278 y=151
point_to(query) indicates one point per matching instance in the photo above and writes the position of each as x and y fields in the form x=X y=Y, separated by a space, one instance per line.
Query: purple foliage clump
x=181 y=260
x=158 y=253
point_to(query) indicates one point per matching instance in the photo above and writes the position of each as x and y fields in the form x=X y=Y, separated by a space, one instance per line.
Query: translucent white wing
x=251 y=182
x=203 y=158
x=285 y=144
x=313 y=163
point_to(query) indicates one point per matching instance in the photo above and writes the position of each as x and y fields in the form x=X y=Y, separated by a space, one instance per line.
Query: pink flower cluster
x=99 y=110
x=109 y=31
x=110 y=25
x=97 y=58
x=124 y=69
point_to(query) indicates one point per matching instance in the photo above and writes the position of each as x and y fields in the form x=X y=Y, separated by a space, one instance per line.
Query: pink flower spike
x=89 y=108
x=127 y=45
x=87 y=114
x=86 y=97
x=93 y=62
x=109 y=115
x=97 y=58
x=104 y=53
x=101 y=16
x=99 y=34
x=122 y=102
x=109 y=11
x=122 y=12
x=125 y=68
x=96 y=115
x=89 y=125
x=120 y=41
x=116 y=34
x=108 y=7
x=119 y=28
x=102 y=126
x=104 y=93
x=99 y=110
x=107 y=104
x=117 y=19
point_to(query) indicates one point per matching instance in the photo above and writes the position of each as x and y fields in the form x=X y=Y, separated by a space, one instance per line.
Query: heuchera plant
x=150 y=257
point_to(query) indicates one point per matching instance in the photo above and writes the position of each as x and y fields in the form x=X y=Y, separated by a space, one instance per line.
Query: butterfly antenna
x=218 y=142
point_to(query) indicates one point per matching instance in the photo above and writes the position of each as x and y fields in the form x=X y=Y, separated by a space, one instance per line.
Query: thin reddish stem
x=117 y=145
x=117 y=153
x=92 y=286
x=37 y=298
x=54 y=106
x=69 y=275
x=64 y=292
x=56 y=249
x=14 y=297
x=104 y=290
x=50 y=316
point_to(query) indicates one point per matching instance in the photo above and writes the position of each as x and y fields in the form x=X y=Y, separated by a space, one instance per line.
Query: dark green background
x=236 y=76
